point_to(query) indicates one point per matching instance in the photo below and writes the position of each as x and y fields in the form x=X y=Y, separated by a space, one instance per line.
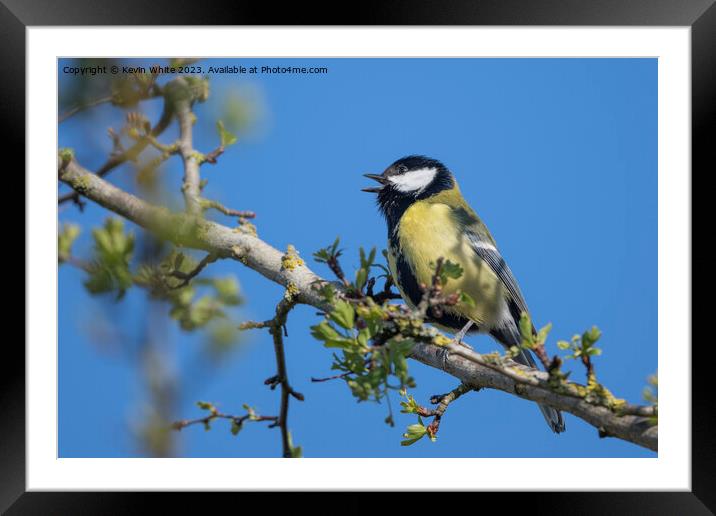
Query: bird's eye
x=402 y=169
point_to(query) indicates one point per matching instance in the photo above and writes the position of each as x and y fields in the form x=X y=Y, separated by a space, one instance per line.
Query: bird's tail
x=552 y=416
x=510 y=336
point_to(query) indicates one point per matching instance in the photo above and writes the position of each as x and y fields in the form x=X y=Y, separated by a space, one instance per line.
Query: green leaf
x=328 y=293
x=401 y=346
x=225 y=137
x=341 y=343
x=325 y=254
x=67 y=236
x=363 y=338
x=324 y=331
x=343 y=314
x=321 y=256
x=543 y=332
x=450 y=270
x=526 y=330
x=366 y=262
x=113 y=250
x=467 y=299
x=205 y=405
x=330 y=337
x=562 y=344
x=414 y=433
x=410 y=406
x=235 y=427
x=334 y=246
x=361 y=278
x=591 y=336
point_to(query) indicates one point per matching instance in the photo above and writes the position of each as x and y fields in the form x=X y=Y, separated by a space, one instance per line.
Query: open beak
x=375 y=177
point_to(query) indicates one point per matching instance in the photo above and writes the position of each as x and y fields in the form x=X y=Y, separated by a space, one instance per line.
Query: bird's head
x=408 y=180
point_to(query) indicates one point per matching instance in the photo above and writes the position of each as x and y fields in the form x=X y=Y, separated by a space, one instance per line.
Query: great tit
x=428 y=219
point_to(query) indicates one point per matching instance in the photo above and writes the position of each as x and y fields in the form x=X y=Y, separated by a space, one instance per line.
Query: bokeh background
x=558 y=156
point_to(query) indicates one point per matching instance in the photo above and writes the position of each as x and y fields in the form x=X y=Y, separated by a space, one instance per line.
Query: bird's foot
x=457 y=341
x=461 y=335
x=445 y=356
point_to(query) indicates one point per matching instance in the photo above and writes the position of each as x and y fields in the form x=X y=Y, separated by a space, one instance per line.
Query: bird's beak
x=376 y=177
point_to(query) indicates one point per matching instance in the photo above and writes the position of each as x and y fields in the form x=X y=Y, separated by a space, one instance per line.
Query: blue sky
x=559 y=158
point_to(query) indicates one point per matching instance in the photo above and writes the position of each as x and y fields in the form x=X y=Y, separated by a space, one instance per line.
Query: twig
x=541 y=353
x=286 y=391
x=186 y=277
x=587 y=362
x=442 y=401
x=242 y=214
x=213 y=155
x=73 y=111
x=239 y=420
x=253 y=325
x=161 y=147
x=277 y=330
x=384 y=295
x=334 y=377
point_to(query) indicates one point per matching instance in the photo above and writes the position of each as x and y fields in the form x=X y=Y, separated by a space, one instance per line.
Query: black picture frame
x=700 y=15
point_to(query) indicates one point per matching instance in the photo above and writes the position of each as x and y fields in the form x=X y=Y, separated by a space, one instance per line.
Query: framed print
x=210 y=293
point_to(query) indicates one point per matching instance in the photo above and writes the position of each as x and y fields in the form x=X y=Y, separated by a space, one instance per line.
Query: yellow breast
x=427 y=231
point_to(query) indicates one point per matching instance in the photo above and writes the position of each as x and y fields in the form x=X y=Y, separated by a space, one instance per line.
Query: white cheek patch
x=415 y=180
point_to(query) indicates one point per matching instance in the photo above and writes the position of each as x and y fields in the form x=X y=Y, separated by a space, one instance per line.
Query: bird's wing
x=486 y=249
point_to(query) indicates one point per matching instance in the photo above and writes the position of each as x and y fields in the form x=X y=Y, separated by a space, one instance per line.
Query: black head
x=407 y=180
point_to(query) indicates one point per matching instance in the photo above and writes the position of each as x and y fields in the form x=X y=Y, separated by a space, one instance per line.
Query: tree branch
x=467 y=365
x=215 y=414
x=277 y=329
x=442 y=401
x=192 y=180
x=195 y=232
x=635 y=429
x=277 y=332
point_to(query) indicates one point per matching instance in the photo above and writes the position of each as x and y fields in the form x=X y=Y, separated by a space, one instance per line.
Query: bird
x=428 y=219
